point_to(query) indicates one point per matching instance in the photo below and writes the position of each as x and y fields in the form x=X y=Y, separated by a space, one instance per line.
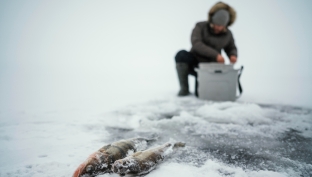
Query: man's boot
x=182 y=70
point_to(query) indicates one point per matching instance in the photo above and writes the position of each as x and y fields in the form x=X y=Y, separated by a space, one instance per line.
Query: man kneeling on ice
x=208 y=39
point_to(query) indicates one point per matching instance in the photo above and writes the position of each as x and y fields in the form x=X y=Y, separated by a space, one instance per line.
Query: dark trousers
x=184 y=56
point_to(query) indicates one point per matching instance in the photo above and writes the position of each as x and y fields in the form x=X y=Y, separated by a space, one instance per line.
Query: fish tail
x=178 y=144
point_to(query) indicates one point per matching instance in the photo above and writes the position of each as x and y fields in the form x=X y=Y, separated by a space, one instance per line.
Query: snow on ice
x=222 y=139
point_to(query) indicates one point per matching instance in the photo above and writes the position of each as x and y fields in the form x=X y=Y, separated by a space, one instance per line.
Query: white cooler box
x=218 y=82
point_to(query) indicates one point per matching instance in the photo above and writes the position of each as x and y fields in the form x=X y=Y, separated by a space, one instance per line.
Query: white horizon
x=75 y=54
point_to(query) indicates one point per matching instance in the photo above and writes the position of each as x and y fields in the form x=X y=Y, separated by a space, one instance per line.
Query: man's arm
x=198 y=45
x=231 y=50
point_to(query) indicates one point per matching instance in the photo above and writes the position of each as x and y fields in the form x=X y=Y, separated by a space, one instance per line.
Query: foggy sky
x=55 y=53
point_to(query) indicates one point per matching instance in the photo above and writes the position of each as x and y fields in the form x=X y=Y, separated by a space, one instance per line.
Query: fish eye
x=89 y=168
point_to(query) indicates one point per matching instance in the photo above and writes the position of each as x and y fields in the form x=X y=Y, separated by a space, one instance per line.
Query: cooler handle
x=239 y=84
x=218 y=71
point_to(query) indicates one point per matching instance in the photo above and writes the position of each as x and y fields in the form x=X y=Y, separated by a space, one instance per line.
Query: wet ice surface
x=245 y=136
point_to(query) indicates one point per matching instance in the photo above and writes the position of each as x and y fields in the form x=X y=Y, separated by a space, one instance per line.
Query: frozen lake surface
x=222 y=139
x=250 y=137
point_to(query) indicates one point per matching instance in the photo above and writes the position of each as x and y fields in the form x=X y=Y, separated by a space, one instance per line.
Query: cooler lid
x=216 y=67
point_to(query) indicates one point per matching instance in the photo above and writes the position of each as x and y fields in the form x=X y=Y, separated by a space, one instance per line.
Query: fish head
x=124 y=166
x=96 y=164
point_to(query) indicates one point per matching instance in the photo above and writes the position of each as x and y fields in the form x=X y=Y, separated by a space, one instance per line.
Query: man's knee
x=182 y=57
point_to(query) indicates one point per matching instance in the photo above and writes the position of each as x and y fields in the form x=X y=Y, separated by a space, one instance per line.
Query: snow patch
x=235 y=113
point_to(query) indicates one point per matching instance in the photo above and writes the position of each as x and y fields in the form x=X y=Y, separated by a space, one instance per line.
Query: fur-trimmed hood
x=221 y=5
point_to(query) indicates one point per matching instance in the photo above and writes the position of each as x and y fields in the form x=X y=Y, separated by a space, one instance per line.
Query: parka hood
x=221 y=5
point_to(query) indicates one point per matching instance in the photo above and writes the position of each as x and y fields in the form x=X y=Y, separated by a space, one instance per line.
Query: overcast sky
x=106 y=51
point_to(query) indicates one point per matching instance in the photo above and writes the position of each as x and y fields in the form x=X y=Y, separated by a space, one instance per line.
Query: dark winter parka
x=206 y=45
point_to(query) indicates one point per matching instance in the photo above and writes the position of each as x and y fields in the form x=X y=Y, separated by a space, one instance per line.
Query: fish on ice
x=100 y=162
x=143 y=162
